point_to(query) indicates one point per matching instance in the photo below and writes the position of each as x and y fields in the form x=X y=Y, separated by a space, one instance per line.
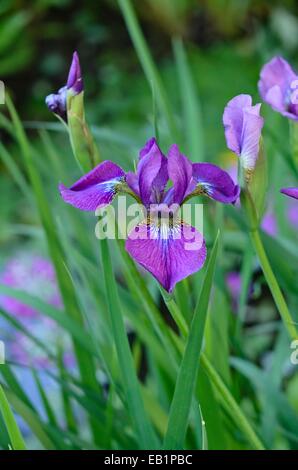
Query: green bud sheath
x=83 y=146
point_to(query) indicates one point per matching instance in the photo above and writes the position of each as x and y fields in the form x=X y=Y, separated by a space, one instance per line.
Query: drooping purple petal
x=56 y=102
x=170 y=254
x=292 y=192
x=75 y=80
x=276 y=85
x=243 y=125
x=215 y=182
x=152 y=173
x=95 y=189
x=180 y=172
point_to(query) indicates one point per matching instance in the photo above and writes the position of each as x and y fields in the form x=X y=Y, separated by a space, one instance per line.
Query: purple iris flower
x=56 y=102
x=278 y=87
x=162 y=243
x=292 y=192
x=243 y=125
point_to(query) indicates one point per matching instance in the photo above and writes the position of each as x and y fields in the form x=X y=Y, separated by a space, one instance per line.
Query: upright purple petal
x=180 y=173
x=95 y=189
x=215 y=182
x=275 y=86
x=75 y=80
x=292 y=192
x=169 y=254
x=152 y=173
x=243 y=125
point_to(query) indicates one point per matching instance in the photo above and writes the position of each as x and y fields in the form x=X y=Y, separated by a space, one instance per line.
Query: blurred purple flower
x=291 y=192
x=278 y=87
x=233 y=281
x=161 y=243
x=243 y=125
x=234 y=285
x=56 y=102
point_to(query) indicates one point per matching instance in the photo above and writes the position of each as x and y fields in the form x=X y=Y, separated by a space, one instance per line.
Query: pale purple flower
x=291 y=192
x=243 y=125
x=56 y=102
x=34 y=275
x=278 y=87
x=163 y=244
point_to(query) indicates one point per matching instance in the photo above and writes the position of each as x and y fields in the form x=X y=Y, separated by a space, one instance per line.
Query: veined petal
x=95 y=189
x=152 y=173
x=169 y=253
x=180 y=172
x=215 y=182
x=292 y=192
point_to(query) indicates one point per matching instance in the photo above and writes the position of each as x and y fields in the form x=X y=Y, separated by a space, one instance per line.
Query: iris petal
x=215 y=182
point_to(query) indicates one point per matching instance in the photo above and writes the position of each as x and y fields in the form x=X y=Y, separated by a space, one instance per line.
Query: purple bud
x=75 y=81
x=56 y=102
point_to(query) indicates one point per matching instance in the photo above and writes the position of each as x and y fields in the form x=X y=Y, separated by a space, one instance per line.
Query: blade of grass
x=14 y=433
x=186 y=380
x=135 y=404
x=273 y=285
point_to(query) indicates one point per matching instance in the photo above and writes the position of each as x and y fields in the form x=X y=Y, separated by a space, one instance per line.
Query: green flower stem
x=273 y=284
